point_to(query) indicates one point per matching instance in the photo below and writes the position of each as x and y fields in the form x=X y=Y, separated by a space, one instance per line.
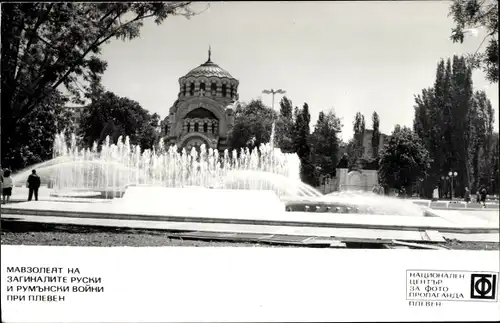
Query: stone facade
x=358 y=180
x=367 y=143
x=204 y=110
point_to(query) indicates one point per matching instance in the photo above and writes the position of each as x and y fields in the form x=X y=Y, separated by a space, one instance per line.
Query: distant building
x=204 y=110
x=367 y=143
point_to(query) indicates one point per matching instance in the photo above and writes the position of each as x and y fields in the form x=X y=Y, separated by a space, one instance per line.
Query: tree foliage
x=325 y=143
x=403 y=161
x=252 y=125
x=375 y=134
x=301 y=135
x=355 y=147
x=481 y=145
x=50 y=46
x=471 y=15
x=451 y=120
x=284 y=126
x=301 y=132
x=115 y=116
x=36 y=132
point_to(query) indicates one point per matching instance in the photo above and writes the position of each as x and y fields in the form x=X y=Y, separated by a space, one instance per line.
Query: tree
x=375 y=134
x=46 y=46
x=325 y=143
x=301 y=142
x=481 y=143
x=461 y=90
x=252 y=125
x=115 y=116
x=495 y=165
x=470 y=15
x=442 y=121
x=351 y=151
x=286 y=108
x=284 y=126
x=403 y=161
x=356 y=146
x=36 y=132
x=150 y=133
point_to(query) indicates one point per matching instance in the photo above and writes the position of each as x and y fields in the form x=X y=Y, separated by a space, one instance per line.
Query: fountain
x=115 y=168
x=232 y=192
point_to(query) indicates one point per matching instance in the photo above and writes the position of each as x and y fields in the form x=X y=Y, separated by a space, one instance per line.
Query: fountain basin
x=77 y=194
x=151 y=212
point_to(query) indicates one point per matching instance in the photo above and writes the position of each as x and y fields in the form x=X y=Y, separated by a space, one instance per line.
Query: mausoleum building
x=204 y=110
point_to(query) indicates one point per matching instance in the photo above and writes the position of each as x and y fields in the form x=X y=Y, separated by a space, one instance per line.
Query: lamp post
x=273 y=92
x=452 y=174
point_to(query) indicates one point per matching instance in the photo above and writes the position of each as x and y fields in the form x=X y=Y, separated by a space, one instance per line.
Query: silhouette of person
x=467 y=195
x=33 y=185
x=483 y=193
x=7 y=185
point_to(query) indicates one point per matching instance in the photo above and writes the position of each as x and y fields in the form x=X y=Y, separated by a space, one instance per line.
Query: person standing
x=483 y=194
x=8 y=183
x=1 y=179
x=467 y=195
x=33 y=185
x=435 y=194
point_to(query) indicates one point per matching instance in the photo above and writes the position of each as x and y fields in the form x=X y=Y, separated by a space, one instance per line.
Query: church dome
x=209 y=80
x=209 y=69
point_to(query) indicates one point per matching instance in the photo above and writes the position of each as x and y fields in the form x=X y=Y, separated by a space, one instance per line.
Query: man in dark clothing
x=483 y=194
x=33 y=185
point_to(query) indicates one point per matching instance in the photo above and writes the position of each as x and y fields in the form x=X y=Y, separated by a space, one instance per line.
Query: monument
x=204 y=110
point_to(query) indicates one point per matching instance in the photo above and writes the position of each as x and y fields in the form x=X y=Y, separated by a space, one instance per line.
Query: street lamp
x=273 y=92
x=452 y=175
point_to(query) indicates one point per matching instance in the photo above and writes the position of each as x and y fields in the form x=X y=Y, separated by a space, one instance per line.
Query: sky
x=346 y=56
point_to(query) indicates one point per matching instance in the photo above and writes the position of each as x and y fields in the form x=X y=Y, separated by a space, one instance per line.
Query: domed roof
x=209 y=69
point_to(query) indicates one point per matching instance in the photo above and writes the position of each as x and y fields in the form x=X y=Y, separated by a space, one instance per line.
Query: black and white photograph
x=272 y=125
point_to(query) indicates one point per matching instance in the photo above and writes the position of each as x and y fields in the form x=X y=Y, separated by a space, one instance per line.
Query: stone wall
x=362 y=180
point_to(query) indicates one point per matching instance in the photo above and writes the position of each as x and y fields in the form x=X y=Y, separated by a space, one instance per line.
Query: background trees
x=302 y=146
x=113 y=116
x=252 y=125
x=376 y=134
x=325 y=143
x=47 y=47
x=355 y=147
x=317 y=151
x=403 y=161
x=455 y=125
x=284 y=126
x=36 y=132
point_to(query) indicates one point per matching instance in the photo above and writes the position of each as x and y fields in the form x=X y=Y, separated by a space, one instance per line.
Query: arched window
x=166 y=129
x=202 y=86
x=189 y=127
x=196 y=127
x=184 y=89
x=205 y=128
x=213 y=89
x=232 y=90
x=213 y=128
x=224 y=90
x=191 y=89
